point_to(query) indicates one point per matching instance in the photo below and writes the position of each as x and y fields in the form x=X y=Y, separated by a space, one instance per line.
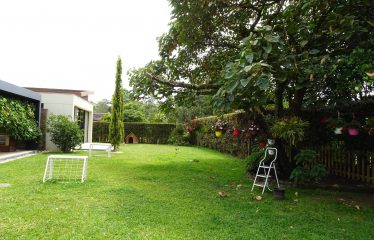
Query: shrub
x=290 y=130
x=179 y=136
x=253 y=160
x=64 y=133
x=307 y=169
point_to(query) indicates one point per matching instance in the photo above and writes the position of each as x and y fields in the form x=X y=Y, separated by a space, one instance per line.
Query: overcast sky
x=74 y=44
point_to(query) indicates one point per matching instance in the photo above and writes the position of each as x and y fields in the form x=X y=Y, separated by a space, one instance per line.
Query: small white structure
x=73 y=103
x=66 y=168
x=107 y=147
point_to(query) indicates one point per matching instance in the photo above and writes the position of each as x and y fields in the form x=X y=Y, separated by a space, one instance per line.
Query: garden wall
x=203 y=134
x=152 y=133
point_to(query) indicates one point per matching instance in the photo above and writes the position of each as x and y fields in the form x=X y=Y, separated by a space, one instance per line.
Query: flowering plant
x=220 y=125
x=253 y=127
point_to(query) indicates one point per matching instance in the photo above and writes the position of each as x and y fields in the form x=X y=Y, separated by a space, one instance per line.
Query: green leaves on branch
x=290 y=130
x=17 y=119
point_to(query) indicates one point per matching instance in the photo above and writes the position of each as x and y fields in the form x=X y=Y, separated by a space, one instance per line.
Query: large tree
x=247 y=53
x=116 y=128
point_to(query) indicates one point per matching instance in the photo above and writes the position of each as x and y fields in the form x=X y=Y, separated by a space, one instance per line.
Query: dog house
x=131 y=138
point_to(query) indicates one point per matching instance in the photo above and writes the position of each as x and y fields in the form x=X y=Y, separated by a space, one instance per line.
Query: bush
x=253 y=160
x=179 y=136
x=64 y=133
x=307 y=169
x=290 y=130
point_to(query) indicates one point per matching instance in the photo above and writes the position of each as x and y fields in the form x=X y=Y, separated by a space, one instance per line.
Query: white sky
x=74 y=44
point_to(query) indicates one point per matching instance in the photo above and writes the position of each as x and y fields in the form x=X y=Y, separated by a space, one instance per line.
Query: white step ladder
x=272 y=152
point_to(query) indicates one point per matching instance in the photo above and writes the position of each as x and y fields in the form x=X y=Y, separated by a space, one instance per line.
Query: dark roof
x=19 y=91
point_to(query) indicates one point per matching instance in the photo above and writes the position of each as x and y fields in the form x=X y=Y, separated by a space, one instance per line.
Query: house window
x=3 y=140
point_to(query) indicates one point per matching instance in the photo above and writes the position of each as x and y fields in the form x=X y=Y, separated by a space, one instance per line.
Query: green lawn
x=156 y=192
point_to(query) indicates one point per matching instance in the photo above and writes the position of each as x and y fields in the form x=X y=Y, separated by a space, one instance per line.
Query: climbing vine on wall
x=17 y=119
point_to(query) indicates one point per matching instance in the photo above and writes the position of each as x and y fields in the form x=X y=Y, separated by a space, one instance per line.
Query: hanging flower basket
x=262 y=144
x=236 y=132
x=271 y=141
x=218 y=133
x=338 y=131
x=353 y=131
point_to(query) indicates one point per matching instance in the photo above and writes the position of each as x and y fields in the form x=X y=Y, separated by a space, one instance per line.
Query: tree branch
x=201 y=88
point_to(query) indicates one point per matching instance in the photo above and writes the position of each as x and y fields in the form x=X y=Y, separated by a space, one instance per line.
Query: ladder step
x=267 y=167
x=260 y=185
x=261 y=175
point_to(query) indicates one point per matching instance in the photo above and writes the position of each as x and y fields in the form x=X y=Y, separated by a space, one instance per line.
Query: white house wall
x=64 y=104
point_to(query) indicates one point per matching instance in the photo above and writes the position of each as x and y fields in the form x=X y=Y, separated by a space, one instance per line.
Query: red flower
x=236 y=132
x=262 y=144
x=323 y=120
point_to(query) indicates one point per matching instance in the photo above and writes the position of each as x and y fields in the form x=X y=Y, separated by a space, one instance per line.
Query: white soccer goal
x=95 y=147
x=66 y=168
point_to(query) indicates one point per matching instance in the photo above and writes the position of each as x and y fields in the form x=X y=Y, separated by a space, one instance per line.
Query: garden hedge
x=153 y=133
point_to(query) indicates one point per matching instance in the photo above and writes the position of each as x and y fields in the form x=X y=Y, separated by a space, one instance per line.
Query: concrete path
x=11 y=156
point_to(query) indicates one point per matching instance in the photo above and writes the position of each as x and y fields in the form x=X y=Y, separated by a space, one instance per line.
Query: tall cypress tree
x=116 y=124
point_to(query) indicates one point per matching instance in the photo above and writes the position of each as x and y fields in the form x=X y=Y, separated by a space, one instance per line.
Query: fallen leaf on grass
x=296 y=194
x=357 y=207
x=223 y=194
x=258 y=198
x=212 y=177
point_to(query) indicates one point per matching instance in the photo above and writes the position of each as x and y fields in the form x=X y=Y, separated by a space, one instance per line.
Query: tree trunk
x=279 y=89
x=297 y=103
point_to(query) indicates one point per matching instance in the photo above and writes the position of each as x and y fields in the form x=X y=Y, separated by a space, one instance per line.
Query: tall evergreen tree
x=116 y=124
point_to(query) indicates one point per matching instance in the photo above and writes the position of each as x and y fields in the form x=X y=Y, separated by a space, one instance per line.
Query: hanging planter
x=262 y=144
x=353 y=127
x=338 y=131
x=236 y=132
x=218 y=133
x=271 y=141
x=353 y=131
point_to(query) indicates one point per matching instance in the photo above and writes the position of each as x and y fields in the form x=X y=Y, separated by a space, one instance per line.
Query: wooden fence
x=354 y=165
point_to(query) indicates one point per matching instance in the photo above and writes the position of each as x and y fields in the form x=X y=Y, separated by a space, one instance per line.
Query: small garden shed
x=131 y=138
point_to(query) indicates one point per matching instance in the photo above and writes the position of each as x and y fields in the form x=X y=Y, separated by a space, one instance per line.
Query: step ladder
x=263 y=171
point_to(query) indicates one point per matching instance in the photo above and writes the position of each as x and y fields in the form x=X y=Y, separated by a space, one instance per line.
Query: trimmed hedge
x=153 y=133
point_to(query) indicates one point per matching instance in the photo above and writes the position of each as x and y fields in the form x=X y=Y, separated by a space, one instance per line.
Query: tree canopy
x=250 y=53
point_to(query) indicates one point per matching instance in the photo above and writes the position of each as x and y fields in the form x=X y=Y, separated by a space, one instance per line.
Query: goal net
x=66 y=168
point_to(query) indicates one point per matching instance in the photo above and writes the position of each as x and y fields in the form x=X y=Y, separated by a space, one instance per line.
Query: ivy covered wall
x=17 y=119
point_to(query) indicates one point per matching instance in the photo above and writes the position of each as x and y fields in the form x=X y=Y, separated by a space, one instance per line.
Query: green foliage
x=17 y=119
x=102 y=106
x=179 y=136
x=65 y=133
x=133 y=112
x=307 y=168
x=153 y=133
x=116 y=123
x=248 y=54
x=253 y=160
x=290 y=130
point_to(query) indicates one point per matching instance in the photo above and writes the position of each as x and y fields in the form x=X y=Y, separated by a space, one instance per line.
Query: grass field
x=157 y=192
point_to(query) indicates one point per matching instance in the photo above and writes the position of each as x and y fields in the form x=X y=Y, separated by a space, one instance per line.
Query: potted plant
x=236 y=132
x=219 y=127
x=353 y=128
x=253 y=128
x=290 y=130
